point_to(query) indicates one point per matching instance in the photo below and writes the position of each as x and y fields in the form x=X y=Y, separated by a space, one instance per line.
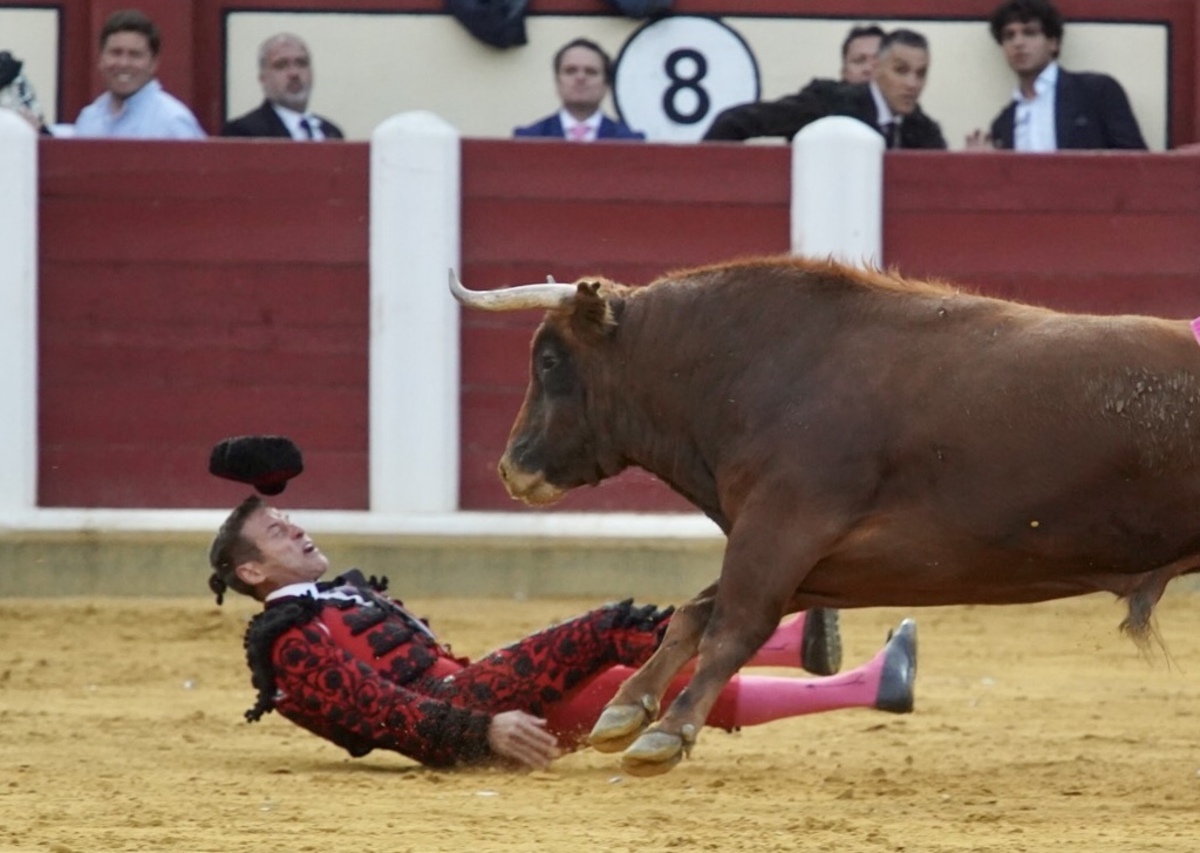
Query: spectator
x=16 y=92
x=888 y=102
x=134 y=105
x=860 y=51
x=285 y=72
x=1053 y=109
x=583 y=74
x=351 y=665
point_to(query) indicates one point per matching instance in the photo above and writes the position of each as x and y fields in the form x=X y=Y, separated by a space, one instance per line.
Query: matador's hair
x=231 y=548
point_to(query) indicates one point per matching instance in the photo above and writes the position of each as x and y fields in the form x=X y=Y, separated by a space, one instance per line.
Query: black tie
x=891 y=134
x=306 y=127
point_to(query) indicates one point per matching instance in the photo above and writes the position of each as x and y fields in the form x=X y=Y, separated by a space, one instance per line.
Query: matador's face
x=287 y=554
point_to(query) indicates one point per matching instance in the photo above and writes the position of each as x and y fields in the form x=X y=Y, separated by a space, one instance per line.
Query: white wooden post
x=837 y=191
x=18 y=313
x=414 y=351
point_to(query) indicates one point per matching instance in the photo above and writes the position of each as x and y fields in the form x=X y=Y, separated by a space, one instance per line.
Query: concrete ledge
x=165 y=553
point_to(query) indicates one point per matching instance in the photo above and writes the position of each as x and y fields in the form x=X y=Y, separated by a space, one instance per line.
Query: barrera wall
x=194 y=291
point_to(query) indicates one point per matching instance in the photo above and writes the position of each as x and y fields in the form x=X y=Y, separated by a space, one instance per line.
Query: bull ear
x=593 y=315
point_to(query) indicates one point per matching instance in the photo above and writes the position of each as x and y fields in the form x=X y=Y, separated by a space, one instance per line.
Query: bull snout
x=532 y=487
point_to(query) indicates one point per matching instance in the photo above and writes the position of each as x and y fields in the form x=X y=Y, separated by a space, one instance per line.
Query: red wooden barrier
x=194 y=291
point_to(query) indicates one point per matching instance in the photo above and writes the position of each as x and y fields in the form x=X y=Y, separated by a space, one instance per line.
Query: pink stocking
x=782 y=648
x=747 y=700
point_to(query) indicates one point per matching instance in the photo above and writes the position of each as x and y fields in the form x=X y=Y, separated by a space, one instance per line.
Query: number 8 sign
x=676 y=73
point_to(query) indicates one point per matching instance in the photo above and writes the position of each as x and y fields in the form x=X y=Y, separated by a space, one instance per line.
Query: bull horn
x=549 y=295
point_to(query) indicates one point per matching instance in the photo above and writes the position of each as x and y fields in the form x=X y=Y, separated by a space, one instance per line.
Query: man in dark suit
x=1054 y=109
x=285 y=72
x=888 y=102
x=583 y=74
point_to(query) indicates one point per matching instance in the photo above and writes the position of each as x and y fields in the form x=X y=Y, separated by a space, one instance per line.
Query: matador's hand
x=523 y=738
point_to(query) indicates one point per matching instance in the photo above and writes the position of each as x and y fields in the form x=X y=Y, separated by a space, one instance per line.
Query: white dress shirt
x=589 y=127
x=291 y=120
x=296 y=590
x=885 y=117
x=1033 y=119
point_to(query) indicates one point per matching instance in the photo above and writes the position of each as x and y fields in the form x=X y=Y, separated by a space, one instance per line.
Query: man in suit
x=1053 y=109
x=285 y=72
x=888 y=102
x=352 y=665
x=583 y=74
x=860 y=52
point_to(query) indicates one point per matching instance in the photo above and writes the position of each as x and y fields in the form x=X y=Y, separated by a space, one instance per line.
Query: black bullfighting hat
x=266 y=462
x=500 y=23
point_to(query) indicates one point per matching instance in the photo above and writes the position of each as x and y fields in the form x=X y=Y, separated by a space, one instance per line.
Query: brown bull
x=862 y=440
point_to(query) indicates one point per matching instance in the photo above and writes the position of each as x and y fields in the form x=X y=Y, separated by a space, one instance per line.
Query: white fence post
x=837 y=191
x=414 y=349
x=18 y=313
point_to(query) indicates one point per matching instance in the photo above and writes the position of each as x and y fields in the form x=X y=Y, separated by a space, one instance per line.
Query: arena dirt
x=1037 y=728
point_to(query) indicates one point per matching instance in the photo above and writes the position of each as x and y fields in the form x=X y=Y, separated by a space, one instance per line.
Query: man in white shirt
x=285 y=72
x=1053 y=109
x=134 y=105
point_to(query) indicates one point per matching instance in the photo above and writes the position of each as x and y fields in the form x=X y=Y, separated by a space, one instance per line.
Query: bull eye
x=547 y=361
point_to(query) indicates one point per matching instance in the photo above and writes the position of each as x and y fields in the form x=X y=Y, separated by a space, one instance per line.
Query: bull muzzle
x=547 y=296
x=531 y=487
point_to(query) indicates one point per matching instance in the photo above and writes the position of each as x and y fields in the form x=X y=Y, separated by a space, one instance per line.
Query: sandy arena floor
x=1037 y=728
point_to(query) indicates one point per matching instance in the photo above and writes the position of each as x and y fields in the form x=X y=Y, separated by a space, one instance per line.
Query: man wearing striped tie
x=583 y=74
x=285 y=72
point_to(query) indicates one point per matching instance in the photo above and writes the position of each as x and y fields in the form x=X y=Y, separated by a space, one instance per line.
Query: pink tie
x=579 y=133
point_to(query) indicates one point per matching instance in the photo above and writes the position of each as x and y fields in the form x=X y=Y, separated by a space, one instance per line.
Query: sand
x=1036 y=728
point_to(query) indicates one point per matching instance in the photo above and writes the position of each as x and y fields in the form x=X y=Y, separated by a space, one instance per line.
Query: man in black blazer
x=887 y=103
x=285 y=72
x=1054 y=109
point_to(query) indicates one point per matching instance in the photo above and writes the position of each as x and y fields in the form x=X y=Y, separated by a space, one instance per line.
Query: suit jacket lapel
x=1066 y=104
x=1004 y=132
x=274 y=122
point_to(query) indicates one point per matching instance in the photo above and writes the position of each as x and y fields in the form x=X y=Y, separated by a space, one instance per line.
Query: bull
x=862 y=439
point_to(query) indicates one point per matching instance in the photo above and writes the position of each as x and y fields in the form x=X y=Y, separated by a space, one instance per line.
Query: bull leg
x=759 y=577
x=635 y=704
x=724 y=649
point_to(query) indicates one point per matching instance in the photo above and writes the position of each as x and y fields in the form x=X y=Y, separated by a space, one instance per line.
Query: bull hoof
x=620 y=725
x=656 y=752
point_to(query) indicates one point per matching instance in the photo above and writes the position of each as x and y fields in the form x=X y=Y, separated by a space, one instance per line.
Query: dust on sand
x=1037 y=728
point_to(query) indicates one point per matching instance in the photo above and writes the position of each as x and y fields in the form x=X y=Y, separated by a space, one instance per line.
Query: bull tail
x=1140 y=625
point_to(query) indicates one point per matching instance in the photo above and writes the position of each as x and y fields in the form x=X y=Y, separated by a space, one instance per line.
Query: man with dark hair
x=353 y=666
x=582 y=74
x=134 y=105
x=286 y=75
x=860 y=51
x=1053 y=109
x=888 y=102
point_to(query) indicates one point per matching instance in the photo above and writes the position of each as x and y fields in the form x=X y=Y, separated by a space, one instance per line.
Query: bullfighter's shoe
x=821 y=643
x=895 y=692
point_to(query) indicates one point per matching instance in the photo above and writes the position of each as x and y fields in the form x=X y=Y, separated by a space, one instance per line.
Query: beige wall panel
x=369 y=67
x=31 y=35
